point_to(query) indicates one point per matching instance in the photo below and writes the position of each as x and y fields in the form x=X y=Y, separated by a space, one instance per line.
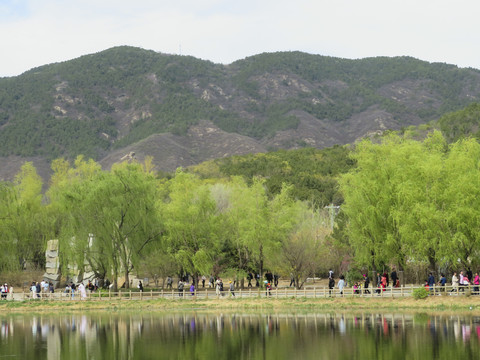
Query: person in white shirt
x=341 y=284
x=83 y=292
x=454 y=282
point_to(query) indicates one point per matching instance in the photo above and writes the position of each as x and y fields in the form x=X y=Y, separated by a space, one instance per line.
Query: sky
x=39 y=32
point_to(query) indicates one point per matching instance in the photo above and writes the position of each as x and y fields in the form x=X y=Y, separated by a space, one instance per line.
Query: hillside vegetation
x=107 y=102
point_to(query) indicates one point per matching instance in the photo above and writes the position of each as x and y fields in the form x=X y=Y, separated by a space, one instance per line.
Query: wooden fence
x=306 y=292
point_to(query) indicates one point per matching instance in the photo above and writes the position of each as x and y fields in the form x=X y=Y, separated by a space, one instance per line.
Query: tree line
x=129 y=220
x=405 y=203
x=412 y=203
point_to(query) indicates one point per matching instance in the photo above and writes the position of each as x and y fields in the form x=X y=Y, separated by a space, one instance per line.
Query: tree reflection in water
x=194 y=335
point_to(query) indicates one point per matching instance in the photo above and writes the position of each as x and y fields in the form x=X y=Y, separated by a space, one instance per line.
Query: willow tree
x=22 y=219
x=461 y=203
x=66 y=194
x=304 y=250
x=252 y=212
x=370 y=198
x=420 y=209
x=114 y=217
x=414 y=200
x=191 y=223
x=238 y=205
x=9 y=256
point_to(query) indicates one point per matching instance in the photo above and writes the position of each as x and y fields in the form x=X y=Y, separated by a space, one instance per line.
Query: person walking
x=73 y=287
x=82 y=291
x=476 y=282
x=366 y=284
x=275 y=280
x=454 y=282
x=33 y=290
x=461 y=281
x=341 y=284
x=38 y=289
x=180 y=288
x=443 y=282
x=232 y=288
x=331 y=286
x=431 y=283
x=218 y=287
x=394 y=278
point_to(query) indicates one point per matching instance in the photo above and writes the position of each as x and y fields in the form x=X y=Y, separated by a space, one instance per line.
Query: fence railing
x=306 y=292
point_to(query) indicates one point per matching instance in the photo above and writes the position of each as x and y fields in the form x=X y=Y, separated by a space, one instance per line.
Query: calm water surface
x=197 y=335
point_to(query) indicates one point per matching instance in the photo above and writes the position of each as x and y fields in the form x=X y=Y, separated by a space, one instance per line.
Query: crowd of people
x=71 y=289
x=188 y=284
x=44 y=288
x=217 y=284
x=41 y=289
x=459 y=282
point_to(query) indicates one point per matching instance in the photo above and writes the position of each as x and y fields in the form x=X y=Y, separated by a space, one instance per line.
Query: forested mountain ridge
x=182 y=110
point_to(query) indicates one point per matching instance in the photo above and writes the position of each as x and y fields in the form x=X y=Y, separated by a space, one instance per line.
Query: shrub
x=420 y=293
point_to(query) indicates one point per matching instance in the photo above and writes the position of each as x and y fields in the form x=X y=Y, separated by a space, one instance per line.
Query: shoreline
x=470 y=305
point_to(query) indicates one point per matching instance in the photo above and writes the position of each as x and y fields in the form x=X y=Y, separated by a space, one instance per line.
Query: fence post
x=109 y=294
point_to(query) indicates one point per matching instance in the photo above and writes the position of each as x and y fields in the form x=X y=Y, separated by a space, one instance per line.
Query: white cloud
x=38 y=32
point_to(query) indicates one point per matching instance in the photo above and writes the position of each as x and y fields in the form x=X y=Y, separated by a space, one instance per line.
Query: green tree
x=22 y=219
x=369 y=194
x=303 y=250
x=462 y=208
x=192 y=224
x=120 y=210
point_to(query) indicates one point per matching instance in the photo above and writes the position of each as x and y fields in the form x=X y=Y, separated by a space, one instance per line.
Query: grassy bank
x=434 y=304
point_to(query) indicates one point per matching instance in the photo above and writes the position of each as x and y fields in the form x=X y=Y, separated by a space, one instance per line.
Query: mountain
x=130 y=102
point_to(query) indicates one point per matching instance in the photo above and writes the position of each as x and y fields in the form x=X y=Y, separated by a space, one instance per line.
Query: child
x=269 y=289
x=356 y=288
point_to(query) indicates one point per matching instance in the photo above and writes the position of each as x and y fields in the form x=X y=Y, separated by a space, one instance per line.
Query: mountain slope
x=184 y=110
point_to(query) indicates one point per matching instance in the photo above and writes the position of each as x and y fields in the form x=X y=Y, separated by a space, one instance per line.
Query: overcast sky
x=39 y=32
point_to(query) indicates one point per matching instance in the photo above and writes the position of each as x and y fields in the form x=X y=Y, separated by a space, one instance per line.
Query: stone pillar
x=52 y=267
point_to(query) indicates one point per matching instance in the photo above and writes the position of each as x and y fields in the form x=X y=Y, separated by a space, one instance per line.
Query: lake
x=227 y=335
